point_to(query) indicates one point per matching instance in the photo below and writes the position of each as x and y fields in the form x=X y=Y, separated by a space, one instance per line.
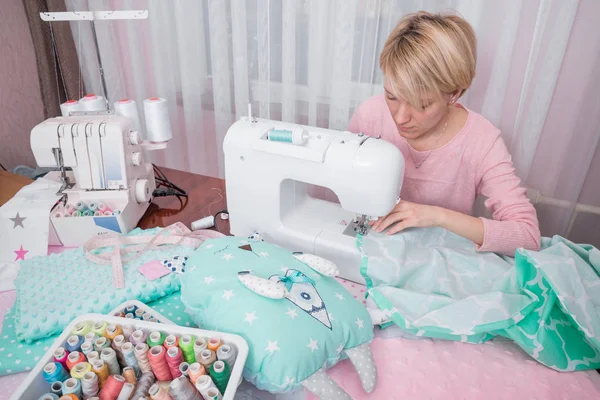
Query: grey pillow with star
x=297 y=319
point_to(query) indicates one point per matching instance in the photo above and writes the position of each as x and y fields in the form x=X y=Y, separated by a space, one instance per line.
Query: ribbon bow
x=295 y=277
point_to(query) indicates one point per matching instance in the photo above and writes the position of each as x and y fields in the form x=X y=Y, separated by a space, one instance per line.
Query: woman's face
x=414 y=123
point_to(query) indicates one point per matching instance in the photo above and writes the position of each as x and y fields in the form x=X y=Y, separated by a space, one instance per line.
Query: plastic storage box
x=35 y=385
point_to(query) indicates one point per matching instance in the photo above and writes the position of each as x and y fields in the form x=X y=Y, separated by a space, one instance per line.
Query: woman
x=452 y=154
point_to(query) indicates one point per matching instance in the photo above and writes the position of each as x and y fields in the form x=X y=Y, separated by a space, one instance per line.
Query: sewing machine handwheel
x=142 y=191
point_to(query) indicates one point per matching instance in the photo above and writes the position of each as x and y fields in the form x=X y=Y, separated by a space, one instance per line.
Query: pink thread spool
x=69 y=208
x=103 y=207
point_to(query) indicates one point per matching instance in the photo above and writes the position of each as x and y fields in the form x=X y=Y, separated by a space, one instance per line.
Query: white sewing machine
x=108 y=169
x=269 y=166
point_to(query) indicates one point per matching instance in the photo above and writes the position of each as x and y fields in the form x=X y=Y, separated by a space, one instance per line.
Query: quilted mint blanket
x=433 y=283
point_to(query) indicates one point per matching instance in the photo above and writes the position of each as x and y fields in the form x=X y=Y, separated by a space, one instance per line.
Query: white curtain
x=314 y=61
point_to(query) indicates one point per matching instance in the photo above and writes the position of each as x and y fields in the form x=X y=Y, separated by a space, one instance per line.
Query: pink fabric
x=427 y=369
x=475 y=162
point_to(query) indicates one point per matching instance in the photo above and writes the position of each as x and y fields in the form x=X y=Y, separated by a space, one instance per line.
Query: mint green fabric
x=432 y=283
x=16 y=356
x=287 y=344
x=54 y=289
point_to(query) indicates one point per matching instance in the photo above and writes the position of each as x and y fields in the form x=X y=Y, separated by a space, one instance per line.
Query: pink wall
x=20 y=100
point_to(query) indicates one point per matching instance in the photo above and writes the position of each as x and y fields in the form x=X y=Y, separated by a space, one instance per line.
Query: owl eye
x=305 y=296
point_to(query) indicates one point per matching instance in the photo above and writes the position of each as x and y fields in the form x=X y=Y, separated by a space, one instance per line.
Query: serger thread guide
x=269 y=166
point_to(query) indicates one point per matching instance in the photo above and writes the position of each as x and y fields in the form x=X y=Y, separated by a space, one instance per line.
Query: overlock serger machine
x=269 y=166
x=110 y=184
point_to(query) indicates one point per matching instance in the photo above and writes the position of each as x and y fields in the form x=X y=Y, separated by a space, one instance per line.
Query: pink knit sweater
x=475 y=162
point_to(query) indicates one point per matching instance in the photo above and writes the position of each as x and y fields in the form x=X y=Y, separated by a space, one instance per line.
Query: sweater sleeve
x=514 y=222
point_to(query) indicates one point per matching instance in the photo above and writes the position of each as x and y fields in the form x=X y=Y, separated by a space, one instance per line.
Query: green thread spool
x=76 y=214
x=220 y=373
x=87 y=213
x=186 y=344
x=298 y=136
x=156 y=339
x=101 y=343
x=99 y=328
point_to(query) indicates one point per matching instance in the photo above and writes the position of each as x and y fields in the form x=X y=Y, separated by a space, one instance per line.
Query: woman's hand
x=408 y=215
x=413 y=215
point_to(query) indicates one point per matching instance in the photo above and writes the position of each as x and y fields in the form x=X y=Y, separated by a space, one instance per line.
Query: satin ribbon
x=295 y=277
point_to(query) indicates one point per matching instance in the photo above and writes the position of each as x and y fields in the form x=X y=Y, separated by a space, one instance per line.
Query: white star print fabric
x=282 y=306
x=25 y=221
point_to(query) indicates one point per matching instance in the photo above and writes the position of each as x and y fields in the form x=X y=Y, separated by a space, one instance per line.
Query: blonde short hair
x=429 y=53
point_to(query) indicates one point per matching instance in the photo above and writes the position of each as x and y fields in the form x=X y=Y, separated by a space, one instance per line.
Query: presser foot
x=359 y=225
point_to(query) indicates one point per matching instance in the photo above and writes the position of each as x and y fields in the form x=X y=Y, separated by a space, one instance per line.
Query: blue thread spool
x=72 y=386
x=297 y=137
x=54 y=371
x=49 y=396
x=87 y=213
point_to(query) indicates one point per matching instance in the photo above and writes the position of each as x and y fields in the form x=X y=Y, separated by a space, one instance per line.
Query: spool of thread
x=80 y=206
x=207 y=358
x=66 y=216
x=141 y=354
x=90 y=385
x=186 y=344
x=60 y=356
x=103 y=207
x=69 y=209
x=57 y=388
x=117 y=345
x=158 y=125
x=156 y=339
x=129 y=358
x=68 y=107
x=80 y=369
x=220 y=374
x=128 y=330
x=203 y=223
x=126 y=391
x=139 y=313
x=91 y=102
x=107 y=213
x=227 y=353
x=116 y=212
x=181 y=389
x=109 y=356
x=199 y=345
x=203 y=384
x=72 y=386
x=94 y=355
x=158 y=361
x=171 y=341
x=76 y=214
x=74 y=343
x=146 y=381
x=101 y=343
x=156 y=392
x=174 y=359
x=213 y=394
x=195 y=371
x=87 y=348
x=49 y=396
x=82 y=328
x=90 y=337
x=112 y=388
x=58 y=214
x=129 y=375
x=99 y=328
x=101 y=369
x=92 y=206
x=112 y=331
x=98 y=214
x=214 y=343
x=128 y=108
x=183 y=368
x=297 y=137
x=138 y=336
x=75 y=358
x=87 y=213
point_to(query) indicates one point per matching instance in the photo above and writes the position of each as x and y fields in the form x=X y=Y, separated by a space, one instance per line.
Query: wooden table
x=206 y=196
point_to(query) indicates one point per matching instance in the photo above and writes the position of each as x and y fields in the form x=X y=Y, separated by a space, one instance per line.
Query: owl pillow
x=297 y=319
